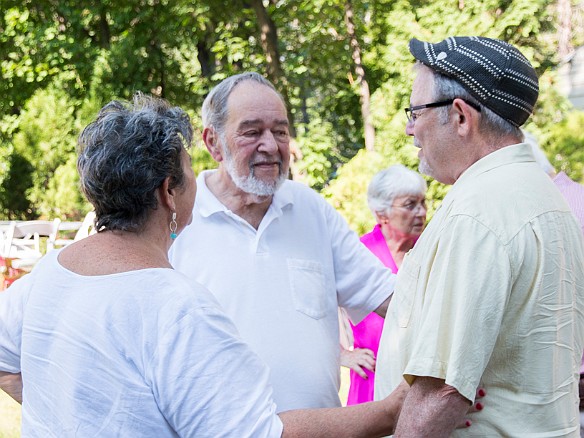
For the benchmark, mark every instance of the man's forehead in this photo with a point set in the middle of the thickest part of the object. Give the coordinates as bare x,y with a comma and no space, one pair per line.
261,121
252,104
250,91
423,84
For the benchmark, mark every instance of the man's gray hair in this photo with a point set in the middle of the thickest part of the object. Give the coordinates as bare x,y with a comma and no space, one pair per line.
490,123
214,112
126,153
391,183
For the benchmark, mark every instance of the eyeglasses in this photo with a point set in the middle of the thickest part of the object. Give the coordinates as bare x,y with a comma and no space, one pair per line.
412,206
412,116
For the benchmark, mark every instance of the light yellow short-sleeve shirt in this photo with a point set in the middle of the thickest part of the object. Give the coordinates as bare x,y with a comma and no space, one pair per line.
492,294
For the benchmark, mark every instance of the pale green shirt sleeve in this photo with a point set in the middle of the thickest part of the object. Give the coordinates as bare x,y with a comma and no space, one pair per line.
465,295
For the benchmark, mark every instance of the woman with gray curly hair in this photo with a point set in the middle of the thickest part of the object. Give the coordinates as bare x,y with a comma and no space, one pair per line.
397,198
104,338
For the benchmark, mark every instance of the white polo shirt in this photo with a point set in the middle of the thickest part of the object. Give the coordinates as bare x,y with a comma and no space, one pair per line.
282,283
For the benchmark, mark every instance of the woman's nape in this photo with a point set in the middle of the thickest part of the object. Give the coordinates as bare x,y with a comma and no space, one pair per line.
135,170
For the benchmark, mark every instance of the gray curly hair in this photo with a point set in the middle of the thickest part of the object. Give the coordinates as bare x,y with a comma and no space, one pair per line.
126,153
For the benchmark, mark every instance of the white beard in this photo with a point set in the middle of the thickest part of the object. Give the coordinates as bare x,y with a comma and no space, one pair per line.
250,184
425,168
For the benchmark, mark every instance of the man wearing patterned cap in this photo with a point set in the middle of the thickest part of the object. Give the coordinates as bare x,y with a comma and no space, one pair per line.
492,295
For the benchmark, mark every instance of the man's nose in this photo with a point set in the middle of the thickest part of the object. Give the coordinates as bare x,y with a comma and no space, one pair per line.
410,128
268,142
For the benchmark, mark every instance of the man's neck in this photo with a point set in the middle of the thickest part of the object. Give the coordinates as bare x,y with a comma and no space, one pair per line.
481,147
252,208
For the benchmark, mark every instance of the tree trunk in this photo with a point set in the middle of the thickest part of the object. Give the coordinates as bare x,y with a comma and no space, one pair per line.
206,58
104,29
365,96
269,40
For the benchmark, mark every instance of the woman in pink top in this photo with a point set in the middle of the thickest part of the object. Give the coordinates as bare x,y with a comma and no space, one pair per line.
396,196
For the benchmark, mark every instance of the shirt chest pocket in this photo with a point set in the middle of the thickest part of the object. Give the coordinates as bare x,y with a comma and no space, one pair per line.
407,285
308,287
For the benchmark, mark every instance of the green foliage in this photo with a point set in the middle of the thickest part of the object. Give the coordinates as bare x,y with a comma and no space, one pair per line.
348,192
317,147
319,67
63,197
45,140
16,180
565,145
39,44
558,128
86,112
201,158
60,61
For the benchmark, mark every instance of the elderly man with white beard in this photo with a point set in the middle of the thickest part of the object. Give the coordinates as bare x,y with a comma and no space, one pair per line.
279,259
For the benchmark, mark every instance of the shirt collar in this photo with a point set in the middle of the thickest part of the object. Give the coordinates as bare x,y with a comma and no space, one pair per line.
516,153
207,204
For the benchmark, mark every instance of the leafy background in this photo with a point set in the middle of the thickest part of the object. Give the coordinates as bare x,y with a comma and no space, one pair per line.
342,65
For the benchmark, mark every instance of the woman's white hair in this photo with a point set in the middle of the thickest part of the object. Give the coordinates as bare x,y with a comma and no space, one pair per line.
391,183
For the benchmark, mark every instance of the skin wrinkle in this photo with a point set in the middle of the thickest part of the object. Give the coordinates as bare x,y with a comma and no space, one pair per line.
440,408
255,131
250,183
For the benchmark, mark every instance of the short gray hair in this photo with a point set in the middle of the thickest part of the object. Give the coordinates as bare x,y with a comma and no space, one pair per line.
393,182
126,153
490,123
214,112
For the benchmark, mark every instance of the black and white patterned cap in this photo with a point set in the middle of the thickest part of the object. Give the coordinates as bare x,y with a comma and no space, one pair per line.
493,71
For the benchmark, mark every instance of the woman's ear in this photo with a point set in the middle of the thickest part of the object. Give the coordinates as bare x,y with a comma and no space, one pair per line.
167,194
381,218
212,142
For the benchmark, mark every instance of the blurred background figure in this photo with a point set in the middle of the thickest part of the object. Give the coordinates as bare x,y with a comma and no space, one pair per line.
397,199
574,194
571,190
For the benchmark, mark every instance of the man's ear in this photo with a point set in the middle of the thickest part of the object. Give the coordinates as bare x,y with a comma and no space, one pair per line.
466,117
211,139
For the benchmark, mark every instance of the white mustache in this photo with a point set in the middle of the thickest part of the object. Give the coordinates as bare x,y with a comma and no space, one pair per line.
278,162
